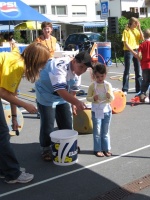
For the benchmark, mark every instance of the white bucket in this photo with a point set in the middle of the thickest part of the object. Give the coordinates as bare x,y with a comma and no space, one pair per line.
64,147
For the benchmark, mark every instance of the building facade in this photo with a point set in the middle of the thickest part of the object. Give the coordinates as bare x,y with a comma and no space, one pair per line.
75,16
118,7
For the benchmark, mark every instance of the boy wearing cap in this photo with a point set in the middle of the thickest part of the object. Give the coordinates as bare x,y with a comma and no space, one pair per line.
55,91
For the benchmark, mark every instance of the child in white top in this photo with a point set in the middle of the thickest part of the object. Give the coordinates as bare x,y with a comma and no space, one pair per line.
100,93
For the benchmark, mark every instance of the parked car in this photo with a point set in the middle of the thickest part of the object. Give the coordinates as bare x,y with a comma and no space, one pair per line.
81,41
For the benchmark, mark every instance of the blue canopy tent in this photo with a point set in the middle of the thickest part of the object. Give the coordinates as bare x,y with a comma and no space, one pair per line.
18,11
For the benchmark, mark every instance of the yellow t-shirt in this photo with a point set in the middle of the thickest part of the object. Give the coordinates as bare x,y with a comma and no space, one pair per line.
132,37
11,70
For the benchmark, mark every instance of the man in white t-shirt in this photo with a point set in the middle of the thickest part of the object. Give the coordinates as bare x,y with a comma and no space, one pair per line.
55,91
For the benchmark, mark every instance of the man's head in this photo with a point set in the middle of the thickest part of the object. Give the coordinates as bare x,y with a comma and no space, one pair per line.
84,58
81,62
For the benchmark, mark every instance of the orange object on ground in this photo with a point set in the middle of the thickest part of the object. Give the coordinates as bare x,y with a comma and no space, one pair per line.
82,121
135,100
119,102
95,59
93,53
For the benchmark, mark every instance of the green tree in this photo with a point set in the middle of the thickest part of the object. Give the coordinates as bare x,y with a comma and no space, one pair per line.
17,36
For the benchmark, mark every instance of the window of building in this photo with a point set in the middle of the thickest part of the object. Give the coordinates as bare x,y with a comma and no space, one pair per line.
79,10
59,10
40,9
98,12
143,11
134,9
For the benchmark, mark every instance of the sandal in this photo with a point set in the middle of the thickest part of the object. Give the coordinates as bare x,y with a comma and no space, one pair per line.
46,155
107,153
99,154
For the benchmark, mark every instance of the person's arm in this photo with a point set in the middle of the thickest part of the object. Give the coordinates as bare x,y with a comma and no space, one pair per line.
109,94
141,33
139,56
140,52
14,47
90,94
71,99
14,117
74,108
14,114
130,49
10,97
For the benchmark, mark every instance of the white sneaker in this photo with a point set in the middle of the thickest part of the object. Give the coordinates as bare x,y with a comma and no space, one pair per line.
146,100
125,93
23,178
21,169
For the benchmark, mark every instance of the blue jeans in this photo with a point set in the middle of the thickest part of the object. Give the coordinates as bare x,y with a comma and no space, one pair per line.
63,115
128,58
9,165
101,134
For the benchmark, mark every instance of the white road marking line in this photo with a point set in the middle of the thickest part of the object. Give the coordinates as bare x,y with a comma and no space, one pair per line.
114,73
131,89
74,171
84,85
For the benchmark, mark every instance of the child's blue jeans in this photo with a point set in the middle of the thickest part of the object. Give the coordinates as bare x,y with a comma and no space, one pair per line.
101,134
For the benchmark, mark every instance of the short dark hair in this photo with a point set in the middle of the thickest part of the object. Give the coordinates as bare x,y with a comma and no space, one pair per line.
44,24
99,68
85,58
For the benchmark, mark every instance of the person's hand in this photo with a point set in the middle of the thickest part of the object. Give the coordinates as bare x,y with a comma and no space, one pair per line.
108,95
138,25
96,98
80,105
31,108
74,110
135,54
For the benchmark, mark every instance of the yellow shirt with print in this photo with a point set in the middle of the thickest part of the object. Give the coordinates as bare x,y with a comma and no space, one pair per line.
11,70
132,37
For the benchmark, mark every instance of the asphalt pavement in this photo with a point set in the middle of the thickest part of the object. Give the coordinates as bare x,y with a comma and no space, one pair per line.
91,177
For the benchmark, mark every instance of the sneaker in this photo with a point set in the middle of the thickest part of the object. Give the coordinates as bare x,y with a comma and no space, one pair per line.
142,98
21,169
125,93
23,178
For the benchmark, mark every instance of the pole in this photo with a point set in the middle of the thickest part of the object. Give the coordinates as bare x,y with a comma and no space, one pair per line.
105,30
60,33
36,33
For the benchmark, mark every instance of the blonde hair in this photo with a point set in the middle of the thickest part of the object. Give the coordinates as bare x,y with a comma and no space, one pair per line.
131,21
146,33
35,57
